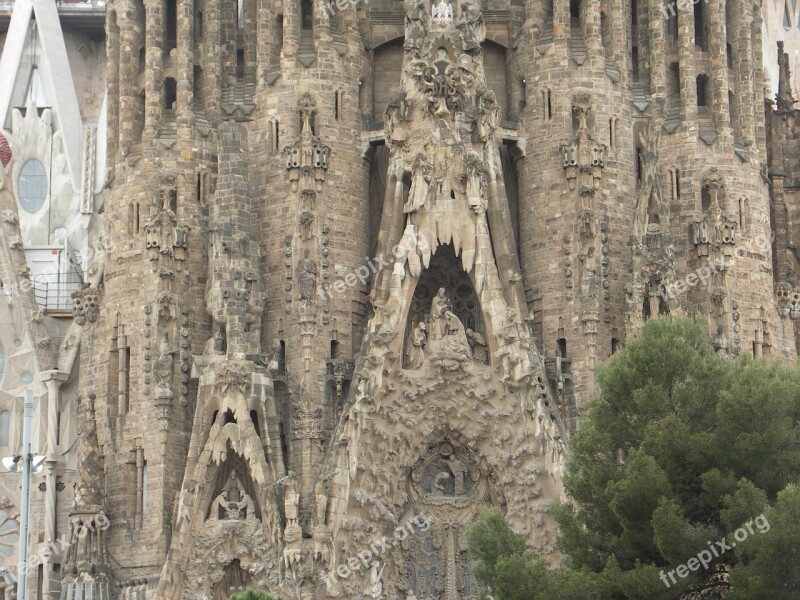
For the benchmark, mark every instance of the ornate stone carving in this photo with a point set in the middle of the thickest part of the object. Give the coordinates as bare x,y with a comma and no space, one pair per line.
446,477
85,304
721,343
445,84
414,24
583,157
162,369
306,273
308,156
447,338
420,190
442,14
225,508
163,235
415,346
472,27
784,98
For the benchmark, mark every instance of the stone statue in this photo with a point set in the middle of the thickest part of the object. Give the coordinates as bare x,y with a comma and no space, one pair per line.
439,483
472,27
415,347
220,502
720,343
459,470
215,343
373,588
306,272
446,330
247,505
291,499
419,192
784,98
322,502
415,30
440,306
489,119
162,370
478,345
476,185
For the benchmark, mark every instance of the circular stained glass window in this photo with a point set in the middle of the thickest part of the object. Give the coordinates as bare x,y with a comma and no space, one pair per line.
32,187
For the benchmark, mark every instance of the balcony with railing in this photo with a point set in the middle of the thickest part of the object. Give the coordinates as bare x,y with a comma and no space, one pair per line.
53,293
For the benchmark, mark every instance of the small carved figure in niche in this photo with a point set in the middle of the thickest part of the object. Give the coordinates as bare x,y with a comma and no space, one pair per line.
439,482
489,119
720,343
472,28
476,184
459,470
420,185
415,348
446,477
478,345
440,306
511,351
322,502
308,198
446,330
291,499
415,30
306,272
784,98
247,505
220,502
162,370
373,588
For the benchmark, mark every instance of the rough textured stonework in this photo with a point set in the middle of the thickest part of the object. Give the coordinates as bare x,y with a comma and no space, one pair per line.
362,262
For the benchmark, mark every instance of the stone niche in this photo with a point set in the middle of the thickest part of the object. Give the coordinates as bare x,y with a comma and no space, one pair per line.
445,272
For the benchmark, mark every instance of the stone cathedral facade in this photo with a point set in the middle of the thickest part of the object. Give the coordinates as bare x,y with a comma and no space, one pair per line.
360,262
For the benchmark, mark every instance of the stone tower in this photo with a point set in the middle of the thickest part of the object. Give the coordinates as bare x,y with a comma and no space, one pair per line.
364,260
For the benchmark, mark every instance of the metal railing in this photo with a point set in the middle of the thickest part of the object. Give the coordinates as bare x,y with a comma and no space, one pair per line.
53,293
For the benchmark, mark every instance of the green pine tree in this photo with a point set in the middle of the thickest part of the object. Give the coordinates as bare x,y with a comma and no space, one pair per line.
680,448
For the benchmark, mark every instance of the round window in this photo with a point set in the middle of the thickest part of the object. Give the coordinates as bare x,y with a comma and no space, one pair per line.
32,186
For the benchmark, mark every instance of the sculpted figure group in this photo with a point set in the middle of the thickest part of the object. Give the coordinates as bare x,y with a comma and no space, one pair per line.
443,334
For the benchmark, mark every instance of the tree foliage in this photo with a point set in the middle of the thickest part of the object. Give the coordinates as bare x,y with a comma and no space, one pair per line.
680,449
251,594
